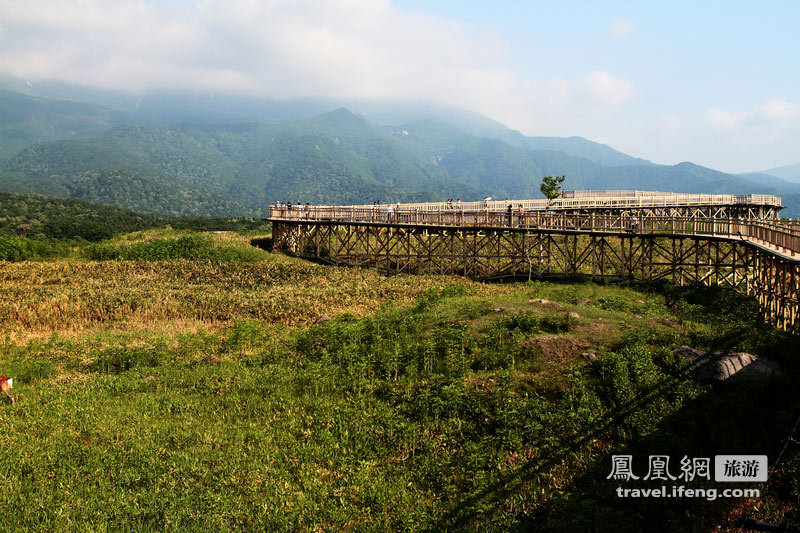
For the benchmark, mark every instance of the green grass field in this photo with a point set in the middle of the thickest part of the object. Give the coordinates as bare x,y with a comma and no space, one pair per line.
175,381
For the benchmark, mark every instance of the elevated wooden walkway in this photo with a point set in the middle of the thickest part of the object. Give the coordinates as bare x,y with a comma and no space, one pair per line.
644,203
728,240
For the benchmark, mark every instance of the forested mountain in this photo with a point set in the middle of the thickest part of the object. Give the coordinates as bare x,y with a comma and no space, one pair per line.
231,169
171,107
237,168
25,120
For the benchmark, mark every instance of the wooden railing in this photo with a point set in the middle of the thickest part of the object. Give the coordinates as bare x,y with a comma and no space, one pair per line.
779,236
584,200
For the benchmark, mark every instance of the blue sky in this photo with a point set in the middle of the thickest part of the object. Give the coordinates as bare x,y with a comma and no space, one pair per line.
715,83
683,58
729,49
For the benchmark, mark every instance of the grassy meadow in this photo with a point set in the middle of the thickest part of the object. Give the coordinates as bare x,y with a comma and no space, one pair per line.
175,381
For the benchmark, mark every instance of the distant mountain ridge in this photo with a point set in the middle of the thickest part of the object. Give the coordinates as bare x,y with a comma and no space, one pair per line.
171,107
231,167
788,172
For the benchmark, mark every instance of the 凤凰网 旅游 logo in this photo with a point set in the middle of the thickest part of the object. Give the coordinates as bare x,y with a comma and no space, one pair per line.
726,468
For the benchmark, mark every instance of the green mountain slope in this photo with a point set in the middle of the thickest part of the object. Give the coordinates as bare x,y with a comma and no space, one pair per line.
169,107
516,171
25,120
336,157
231,169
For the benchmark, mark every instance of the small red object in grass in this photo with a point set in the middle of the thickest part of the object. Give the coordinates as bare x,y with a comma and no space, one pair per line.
5,385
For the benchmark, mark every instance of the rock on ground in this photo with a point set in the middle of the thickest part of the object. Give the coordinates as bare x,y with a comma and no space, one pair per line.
718,367
542,301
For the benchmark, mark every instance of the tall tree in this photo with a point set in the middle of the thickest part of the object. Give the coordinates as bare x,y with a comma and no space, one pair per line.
551,187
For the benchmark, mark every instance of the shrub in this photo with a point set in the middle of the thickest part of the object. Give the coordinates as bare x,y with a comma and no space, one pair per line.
615,303
28,372
525,322
20,249
118,360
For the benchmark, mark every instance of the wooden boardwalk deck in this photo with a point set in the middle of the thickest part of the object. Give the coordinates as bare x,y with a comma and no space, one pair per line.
592,200
698,239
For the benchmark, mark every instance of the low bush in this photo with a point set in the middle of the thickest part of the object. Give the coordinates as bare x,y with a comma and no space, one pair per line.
120,359
14,248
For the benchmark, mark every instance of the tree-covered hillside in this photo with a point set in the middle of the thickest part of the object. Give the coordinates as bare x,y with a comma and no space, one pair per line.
237,169
39,218
162,107
25,120
232,169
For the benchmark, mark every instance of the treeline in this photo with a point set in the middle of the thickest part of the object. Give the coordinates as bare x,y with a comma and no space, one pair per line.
40,219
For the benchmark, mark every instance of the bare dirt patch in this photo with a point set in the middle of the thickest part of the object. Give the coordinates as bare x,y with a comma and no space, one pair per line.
557,348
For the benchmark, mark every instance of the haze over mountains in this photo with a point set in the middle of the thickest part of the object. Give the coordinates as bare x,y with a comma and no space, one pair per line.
788,172
222,155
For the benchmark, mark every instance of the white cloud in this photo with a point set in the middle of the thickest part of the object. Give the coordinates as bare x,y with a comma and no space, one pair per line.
294,48
725,119
609,89
621,28
731,140
280,48
774,114
780,110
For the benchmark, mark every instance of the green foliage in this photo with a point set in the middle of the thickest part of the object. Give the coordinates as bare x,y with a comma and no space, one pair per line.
29,371
551,186
438,414
44,218
15,249
614,303
433,296
117,360
20,249
718,319
243,335
528,322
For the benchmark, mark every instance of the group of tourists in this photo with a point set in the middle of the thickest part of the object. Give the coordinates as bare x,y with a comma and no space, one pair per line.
296,210
510,211
378,213
390,213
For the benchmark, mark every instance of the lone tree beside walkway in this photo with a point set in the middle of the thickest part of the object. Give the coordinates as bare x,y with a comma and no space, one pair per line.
551,187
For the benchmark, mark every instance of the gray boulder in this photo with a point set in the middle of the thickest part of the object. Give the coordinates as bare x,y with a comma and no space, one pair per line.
717,367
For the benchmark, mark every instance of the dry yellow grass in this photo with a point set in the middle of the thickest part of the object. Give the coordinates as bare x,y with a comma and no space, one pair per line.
68,297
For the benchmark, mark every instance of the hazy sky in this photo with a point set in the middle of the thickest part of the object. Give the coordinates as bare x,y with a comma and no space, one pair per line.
717,83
